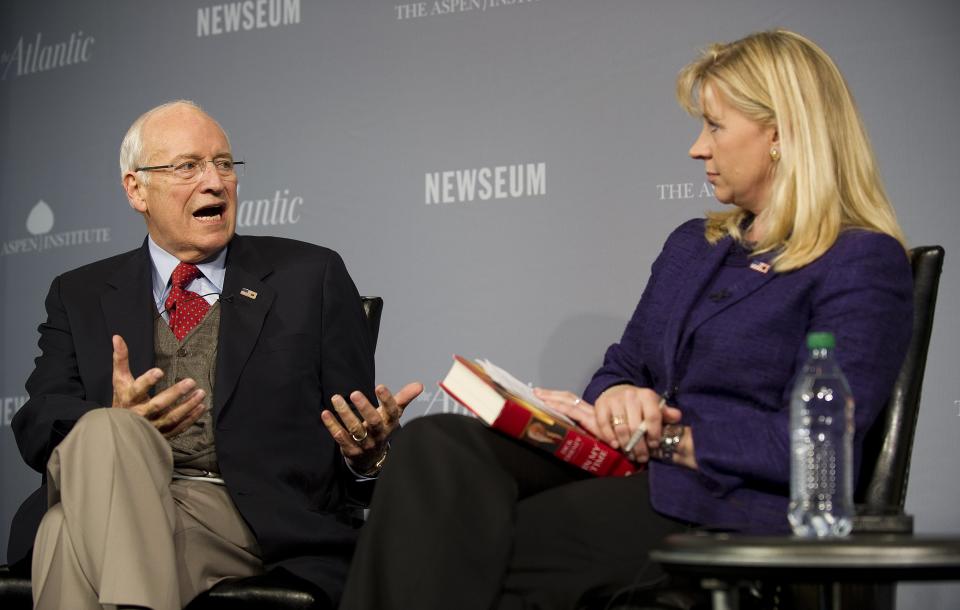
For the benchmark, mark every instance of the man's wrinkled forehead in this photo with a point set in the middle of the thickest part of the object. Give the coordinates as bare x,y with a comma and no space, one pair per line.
183,130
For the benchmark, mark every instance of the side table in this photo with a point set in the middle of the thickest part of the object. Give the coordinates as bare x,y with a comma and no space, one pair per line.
722,561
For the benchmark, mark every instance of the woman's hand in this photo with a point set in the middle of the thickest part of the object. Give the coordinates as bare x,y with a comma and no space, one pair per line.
621,409
619,412
572,406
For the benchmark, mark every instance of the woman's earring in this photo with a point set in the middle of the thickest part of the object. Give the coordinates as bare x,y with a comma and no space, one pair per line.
774,154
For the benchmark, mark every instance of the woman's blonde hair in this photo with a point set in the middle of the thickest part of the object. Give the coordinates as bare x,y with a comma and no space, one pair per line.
826,179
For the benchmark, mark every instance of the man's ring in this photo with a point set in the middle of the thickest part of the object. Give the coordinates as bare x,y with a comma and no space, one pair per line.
577,401
357,437
616,420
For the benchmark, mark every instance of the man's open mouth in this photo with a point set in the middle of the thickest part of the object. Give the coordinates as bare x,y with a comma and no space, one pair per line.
210,212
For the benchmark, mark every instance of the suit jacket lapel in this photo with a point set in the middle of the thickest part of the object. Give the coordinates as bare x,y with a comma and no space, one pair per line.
129,309
754,279
698,272
241,317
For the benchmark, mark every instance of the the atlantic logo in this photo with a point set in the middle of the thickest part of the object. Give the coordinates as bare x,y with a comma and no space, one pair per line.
246,15
9,407
31,57
417,10
485,183
40,223
684,190
280,210
440,402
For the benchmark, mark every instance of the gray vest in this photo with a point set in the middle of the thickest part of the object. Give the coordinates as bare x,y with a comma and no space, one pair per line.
195,357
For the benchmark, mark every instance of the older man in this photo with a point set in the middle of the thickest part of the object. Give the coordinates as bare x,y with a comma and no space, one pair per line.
216,353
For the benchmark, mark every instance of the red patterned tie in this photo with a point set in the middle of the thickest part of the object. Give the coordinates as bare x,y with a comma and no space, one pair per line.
187,308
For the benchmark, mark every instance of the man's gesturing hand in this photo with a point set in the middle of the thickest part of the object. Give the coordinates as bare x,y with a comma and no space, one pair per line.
171,411
364,443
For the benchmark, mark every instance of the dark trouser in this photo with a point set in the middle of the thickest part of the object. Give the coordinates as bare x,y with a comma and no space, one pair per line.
464,517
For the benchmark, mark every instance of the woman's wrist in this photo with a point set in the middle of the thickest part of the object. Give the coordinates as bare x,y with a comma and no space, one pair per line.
676,446
670,439
684,454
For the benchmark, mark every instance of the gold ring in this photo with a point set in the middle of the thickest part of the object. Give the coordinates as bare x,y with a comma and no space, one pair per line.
358,438
663,403
616,420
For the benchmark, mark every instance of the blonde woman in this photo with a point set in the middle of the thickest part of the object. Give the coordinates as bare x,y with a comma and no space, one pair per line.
466,518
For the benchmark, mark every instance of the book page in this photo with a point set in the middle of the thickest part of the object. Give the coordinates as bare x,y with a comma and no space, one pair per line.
513,385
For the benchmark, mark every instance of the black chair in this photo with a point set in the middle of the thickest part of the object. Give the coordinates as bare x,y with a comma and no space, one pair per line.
882,487
277,589
14,591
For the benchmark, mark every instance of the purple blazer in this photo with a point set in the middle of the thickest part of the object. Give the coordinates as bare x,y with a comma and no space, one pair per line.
729,363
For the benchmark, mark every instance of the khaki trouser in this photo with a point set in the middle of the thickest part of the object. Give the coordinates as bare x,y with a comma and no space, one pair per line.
119,531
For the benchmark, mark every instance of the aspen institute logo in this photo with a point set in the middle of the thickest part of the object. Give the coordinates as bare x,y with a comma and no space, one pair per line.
419,10
40,223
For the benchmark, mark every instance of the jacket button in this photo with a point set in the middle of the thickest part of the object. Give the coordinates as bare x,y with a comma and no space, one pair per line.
182,352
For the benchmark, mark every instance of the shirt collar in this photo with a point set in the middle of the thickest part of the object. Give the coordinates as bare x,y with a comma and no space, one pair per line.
164,263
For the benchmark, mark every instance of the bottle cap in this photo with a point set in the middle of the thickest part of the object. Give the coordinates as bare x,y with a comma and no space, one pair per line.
820,341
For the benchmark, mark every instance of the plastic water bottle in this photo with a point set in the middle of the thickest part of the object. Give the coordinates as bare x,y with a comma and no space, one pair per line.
821,437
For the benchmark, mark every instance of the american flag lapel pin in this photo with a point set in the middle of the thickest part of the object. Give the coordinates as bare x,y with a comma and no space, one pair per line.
760,266
250,294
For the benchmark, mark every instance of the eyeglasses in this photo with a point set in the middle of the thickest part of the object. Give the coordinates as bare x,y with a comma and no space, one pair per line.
192,169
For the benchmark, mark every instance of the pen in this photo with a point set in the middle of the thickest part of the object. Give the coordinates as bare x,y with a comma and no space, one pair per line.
637,435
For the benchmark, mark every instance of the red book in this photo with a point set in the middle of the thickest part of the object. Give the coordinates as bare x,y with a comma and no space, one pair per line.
507,405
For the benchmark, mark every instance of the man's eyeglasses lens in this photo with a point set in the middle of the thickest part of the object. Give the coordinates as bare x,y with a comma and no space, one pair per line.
191,169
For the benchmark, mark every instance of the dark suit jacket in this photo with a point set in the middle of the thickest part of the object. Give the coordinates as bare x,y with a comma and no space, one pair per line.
281,357
729,364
